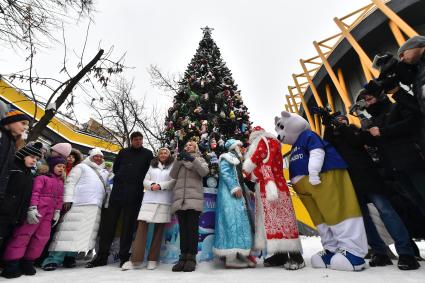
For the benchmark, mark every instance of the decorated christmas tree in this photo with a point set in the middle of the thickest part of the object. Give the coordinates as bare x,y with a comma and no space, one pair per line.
208,107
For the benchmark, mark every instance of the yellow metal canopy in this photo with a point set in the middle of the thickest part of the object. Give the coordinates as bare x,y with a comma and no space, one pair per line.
21,102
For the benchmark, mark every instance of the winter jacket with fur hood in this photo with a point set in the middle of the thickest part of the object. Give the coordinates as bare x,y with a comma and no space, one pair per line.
188,191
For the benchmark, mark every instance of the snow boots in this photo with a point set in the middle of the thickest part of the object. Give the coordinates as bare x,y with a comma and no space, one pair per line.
289,260
295,261
27,267
69,262
278,259
380,260
11,270
50,267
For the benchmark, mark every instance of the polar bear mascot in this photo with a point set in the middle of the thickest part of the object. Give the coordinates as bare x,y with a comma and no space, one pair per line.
319,176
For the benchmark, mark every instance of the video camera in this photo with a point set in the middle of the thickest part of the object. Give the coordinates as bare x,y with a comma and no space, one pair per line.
356,110
392,72
328,119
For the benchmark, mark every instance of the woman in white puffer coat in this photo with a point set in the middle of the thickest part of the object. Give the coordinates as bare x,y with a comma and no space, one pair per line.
85,191
156,208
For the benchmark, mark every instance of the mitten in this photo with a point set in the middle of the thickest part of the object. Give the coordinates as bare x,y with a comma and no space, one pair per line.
56,217
189,157
33,215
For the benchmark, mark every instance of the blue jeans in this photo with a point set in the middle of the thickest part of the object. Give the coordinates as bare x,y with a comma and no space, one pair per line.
392,222
57,257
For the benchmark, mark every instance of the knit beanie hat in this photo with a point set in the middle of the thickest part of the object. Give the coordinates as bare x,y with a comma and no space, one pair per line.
414,42
34,150
14,116
63,149
53,161
95,151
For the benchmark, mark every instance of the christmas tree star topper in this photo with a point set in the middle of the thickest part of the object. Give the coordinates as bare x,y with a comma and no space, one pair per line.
207,30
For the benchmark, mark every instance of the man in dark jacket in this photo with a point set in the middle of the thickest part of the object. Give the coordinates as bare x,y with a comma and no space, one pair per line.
11,128
370,188
13,209
130,168
396,131
412,52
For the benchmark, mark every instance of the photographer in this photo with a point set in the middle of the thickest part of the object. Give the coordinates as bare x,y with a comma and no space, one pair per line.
396,133
412,53
370,188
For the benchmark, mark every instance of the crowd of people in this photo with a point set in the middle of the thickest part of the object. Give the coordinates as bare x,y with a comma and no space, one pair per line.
55,204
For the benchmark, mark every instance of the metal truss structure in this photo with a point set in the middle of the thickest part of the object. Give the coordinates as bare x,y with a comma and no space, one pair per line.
295,101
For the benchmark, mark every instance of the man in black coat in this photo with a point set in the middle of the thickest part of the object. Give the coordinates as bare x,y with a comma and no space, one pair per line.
396,131
370,187
130,168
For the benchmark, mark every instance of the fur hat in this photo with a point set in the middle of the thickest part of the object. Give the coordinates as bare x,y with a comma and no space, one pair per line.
14,116
64,149
95,151
256,132
34,150
414,42
232,144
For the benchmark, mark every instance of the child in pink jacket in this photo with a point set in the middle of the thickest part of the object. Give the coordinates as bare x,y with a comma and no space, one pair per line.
28,240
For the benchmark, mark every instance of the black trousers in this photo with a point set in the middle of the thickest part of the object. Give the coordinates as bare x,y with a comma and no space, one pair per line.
108,224
6,231
189,230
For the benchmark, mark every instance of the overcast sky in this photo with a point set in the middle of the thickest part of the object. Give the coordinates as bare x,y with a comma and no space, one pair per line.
260,40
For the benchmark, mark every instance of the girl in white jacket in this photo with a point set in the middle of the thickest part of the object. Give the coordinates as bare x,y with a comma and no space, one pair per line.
85,190
156,208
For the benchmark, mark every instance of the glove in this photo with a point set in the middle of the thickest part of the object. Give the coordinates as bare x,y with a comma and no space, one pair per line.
56,217
33,215
66,206
314,179
189,157
181,155
185,156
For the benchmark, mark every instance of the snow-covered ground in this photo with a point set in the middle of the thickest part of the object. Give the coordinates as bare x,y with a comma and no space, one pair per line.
210,272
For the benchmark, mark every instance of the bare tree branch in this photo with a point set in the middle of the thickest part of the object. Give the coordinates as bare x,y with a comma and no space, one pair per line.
120,114
69,86
166,82
44,16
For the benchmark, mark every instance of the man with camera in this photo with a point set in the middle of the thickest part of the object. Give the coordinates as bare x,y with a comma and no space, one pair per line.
412,53
396,132
370,188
